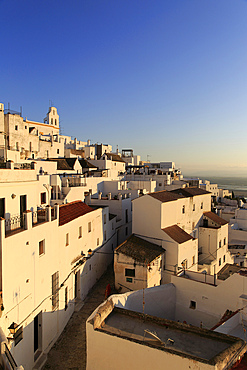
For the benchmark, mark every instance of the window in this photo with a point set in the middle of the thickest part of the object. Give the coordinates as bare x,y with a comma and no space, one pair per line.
224,258
43,198
193,305
57,151
25,127
80,232
126,231
129,280
242,263
97,241
52,121
105,235
194,207
16,128
55,291
126,216
193,225
42,247
67,239
89,227
55,122
130,272
17,146
53,112
219,261
193,260
30,146
201,205
66,298
224,241
183,209
104,219
220,244
18,336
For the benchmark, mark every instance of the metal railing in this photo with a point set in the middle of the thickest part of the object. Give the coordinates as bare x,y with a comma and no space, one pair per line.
9,357
14,223
39,216
22,166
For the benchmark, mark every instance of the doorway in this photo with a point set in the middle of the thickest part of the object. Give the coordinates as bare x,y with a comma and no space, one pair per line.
37,335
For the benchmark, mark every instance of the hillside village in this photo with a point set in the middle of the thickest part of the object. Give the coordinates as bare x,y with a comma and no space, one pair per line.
70,208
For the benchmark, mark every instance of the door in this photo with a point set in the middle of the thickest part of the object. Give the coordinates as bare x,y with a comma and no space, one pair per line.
2,207
37,333
23,208
77,284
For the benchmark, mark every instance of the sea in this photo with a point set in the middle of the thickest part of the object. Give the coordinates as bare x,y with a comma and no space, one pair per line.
236,184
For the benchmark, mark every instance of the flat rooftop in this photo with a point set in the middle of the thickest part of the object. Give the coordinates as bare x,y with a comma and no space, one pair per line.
180,339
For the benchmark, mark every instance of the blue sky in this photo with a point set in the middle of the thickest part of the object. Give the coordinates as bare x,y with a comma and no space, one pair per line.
167,78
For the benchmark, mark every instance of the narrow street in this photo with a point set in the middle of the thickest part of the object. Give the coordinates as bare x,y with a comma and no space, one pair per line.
69,352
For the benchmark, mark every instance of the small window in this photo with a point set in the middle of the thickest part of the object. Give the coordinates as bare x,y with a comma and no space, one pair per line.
219,261
97,241
126,216
16,128
104,219
43,198
193,225
57,151
25,127
42,247
194,207
201,205
53,112
52,121
220,244
66,298
17,146
67,239
130,272
18,336
105,235
193,260
55,122
242,263
129,280
224,241
224,258
183,209
80,232
126,231
55,291
89,227
193,305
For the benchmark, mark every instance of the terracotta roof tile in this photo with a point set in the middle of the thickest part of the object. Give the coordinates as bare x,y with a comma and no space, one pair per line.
165,196
190,191
177,234
139,249
215,218
73,210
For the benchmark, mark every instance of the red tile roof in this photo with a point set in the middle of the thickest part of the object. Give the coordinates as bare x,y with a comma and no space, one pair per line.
215,218
177,234
73,210
191,191
165,196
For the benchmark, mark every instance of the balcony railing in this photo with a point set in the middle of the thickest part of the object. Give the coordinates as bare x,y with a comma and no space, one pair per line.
22,166
14,224
39,216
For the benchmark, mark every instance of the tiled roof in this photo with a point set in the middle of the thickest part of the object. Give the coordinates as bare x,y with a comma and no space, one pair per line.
190,191
85,164
73,210
215,218
114,157
140,250
165,196
64,163
177,234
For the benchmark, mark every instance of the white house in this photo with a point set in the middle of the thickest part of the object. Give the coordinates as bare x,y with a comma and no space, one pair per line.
137,264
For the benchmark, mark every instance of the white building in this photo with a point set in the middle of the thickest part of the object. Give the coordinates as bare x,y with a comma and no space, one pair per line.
137,264
118,332
50,259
